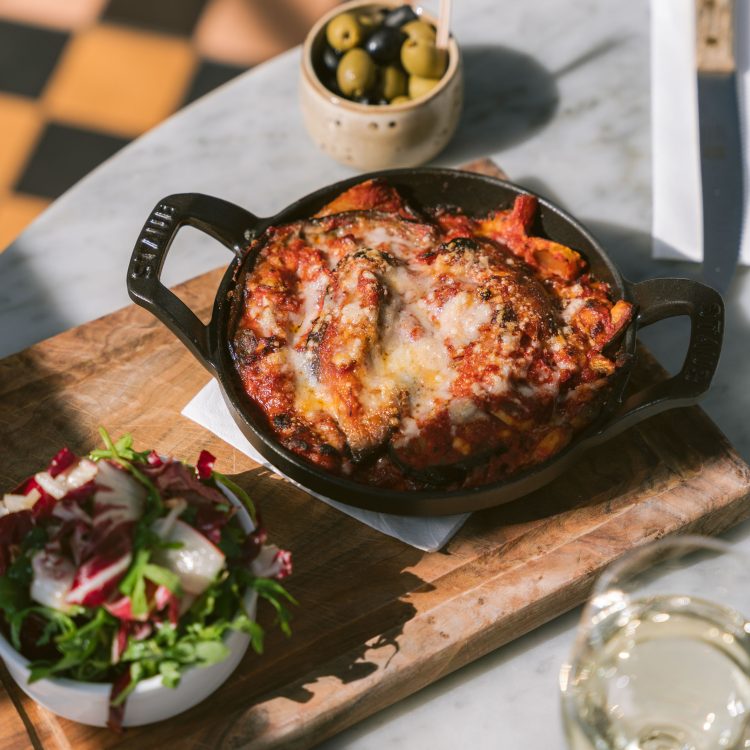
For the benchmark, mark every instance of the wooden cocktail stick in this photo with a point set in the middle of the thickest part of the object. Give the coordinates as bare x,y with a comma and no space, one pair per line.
443,25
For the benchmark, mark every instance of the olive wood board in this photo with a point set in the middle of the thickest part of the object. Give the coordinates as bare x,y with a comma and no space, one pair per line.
377,620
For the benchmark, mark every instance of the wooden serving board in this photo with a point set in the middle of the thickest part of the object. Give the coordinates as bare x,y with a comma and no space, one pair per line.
378,619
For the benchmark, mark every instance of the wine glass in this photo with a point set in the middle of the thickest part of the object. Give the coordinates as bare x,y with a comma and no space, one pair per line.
662,655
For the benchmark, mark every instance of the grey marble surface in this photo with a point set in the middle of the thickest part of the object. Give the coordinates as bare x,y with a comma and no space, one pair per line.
557,91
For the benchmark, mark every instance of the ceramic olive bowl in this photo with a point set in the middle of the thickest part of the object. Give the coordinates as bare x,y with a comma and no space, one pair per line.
370,136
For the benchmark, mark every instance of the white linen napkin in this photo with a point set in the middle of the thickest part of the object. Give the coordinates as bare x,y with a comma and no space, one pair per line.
429,534
677,219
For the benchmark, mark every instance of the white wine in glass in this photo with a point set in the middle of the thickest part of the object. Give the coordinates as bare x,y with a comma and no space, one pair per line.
662,657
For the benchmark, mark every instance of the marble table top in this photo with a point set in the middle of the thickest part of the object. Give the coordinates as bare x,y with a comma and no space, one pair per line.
557,92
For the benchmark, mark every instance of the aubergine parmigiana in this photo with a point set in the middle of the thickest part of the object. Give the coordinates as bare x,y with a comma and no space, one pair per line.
410,348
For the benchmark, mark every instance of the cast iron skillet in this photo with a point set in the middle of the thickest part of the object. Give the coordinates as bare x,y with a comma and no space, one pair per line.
234,227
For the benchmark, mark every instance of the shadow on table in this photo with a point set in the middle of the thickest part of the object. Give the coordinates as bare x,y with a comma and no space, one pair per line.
36,421
508,96
27,313
359,578
482,676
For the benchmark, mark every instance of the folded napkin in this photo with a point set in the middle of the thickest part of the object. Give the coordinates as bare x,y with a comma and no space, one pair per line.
430,534
678,216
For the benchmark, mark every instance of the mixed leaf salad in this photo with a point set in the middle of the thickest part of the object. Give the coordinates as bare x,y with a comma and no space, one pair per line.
124,565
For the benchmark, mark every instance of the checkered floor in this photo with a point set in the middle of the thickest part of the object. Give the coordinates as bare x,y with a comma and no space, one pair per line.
79,79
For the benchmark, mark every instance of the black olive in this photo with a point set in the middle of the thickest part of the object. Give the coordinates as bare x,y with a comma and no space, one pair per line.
366,99
384,45
399,16
330,58
329,81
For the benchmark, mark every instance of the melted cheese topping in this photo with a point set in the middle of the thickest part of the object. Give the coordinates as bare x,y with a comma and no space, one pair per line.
460,319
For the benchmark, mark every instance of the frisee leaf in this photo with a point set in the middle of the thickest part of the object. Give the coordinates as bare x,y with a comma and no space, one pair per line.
79,646
242,496
170,672
127,584
14,596
138,672
107,440
275,594
122,453
256,634
210,652
120,450
162,577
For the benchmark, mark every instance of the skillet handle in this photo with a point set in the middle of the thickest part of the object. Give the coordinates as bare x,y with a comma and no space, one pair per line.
233,226
657,299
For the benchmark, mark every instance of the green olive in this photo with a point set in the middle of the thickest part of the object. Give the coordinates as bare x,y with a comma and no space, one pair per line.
400,100
422,58
419,86
392,82
419,30
356,73
344,32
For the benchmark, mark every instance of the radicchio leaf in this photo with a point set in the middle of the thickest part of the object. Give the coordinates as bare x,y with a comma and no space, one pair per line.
82,493
164,599
62,460
283,559
118,501
80,542
117,712
173,479
53,577
210,521
162,595
119,643
97,578
159,598
138,631
27,486
154,459
67,510
253,544
43,506
122,608
205,465
272,562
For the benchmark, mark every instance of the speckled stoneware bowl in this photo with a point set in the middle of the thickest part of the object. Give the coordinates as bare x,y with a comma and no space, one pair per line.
379,136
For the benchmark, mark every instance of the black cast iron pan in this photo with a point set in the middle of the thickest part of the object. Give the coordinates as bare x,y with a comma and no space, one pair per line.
234,227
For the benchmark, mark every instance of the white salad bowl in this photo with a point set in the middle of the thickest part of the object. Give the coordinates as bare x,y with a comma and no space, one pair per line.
88,702
150,701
